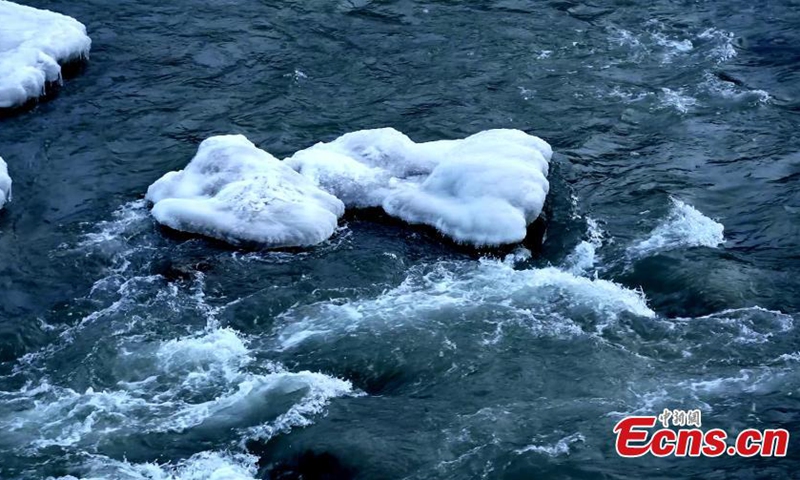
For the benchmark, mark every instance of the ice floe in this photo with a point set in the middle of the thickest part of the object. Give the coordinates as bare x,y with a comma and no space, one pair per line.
482,190
235,192
5,184
33,46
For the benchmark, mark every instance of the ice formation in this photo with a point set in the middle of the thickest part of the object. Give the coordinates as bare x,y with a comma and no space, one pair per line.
33,44
482,190
5,184
235,192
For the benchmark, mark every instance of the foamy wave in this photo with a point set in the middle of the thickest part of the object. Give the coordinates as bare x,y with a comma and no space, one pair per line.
125,219
584,257
112,239
677,100
658,41
541,298
221,353
559,448
684,227
737,350
735,91
201,466
722,44
628,96
654,43
196,384
749,325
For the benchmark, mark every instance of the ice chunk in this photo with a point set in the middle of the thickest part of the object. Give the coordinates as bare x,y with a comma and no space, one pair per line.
5,184
483,190
235,192
33,44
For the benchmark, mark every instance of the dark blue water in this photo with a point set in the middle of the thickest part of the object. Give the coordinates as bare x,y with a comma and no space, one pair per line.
128,351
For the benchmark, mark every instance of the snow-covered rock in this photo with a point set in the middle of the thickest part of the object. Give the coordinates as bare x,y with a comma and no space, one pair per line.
33,44
482,190
235,192
5,184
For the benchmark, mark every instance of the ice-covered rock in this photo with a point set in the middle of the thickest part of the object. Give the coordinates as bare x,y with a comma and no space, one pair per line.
5,184
33,44
235,192
482,190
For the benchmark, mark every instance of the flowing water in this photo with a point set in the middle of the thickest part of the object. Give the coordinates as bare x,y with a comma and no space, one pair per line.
668,277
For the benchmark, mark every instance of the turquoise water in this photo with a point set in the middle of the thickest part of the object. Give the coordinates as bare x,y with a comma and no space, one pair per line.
130,351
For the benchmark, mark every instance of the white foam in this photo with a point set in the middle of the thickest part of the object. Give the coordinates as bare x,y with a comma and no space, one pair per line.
628,96
542,299
220,353
729,90
749,325
319,390
5,184
559,448
235,192
677,99
684,227
793,357
624,37
672,46
251,399
201,466
124,219
32,45
584,256
737,348
196,384
652,43
722,42
482,190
